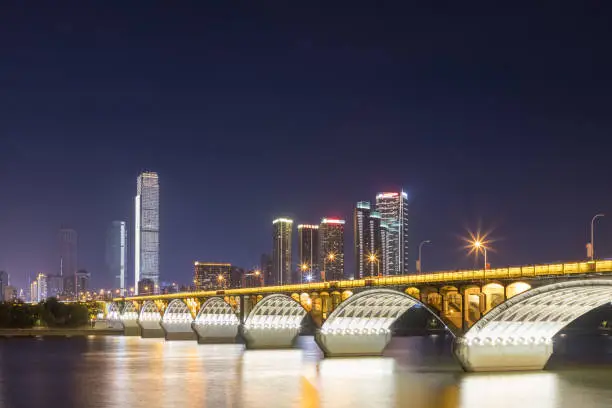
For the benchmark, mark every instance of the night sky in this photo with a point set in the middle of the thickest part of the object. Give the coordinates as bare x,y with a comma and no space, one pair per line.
498,118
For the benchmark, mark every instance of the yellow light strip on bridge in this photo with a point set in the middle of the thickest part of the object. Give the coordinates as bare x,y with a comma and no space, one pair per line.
518,272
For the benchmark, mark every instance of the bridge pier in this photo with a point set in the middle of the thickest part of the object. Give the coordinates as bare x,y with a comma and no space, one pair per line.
151,329
498,355
259,337
178,330
131,328
350,343
215,333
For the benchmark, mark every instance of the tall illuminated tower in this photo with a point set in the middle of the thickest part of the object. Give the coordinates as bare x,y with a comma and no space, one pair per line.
116,253
331,248
308,243
393,208
146,240
368,241
281,252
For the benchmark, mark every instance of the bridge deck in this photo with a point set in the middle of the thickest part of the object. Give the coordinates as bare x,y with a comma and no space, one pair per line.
514,273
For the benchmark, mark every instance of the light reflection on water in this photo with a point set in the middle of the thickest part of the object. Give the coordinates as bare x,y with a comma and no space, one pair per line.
134,372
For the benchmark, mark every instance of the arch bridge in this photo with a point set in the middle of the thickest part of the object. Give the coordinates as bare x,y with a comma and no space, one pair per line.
502,319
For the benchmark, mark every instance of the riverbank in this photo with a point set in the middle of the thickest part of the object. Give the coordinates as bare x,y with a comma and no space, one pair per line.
59,332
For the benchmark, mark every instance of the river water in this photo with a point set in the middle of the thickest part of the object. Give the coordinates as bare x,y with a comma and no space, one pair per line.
415,372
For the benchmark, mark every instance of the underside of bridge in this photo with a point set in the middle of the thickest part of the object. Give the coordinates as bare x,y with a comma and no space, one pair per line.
216,322
274,322
177,320
361,325
517,334
149,321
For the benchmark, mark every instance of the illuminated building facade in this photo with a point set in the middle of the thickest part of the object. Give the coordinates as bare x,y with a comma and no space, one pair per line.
146,239
281,252
38,288
331,248
368,241
393,208
116,253
308,245
211,275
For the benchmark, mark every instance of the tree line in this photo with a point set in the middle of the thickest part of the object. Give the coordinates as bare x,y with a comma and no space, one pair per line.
50,313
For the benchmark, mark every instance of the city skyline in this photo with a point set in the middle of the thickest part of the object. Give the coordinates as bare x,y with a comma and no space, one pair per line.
480,123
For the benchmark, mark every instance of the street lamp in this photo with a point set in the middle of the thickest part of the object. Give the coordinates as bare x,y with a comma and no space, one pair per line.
373,258
593,235
480,246
420,247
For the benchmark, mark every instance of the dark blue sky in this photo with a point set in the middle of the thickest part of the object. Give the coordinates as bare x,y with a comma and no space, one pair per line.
492,116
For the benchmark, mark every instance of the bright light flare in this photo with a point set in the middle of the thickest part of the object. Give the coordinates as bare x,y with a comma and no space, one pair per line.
477,243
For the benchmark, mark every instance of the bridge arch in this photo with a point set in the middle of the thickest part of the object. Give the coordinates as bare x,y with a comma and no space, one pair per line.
149,312
361,325
130,311
517,334
275,321
216,322
177,312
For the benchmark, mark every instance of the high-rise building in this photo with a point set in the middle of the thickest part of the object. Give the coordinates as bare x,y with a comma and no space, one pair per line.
369,257
281,252
55,286
236,277
82,281
9,293
68,246
331,248
116,253
393,208
211,275
146,239
38,288
265,266
308,243
4,282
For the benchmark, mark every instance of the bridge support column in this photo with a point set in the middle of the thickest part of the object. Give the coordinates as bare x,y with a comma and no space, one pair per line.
216,334
151,329
496,355
178,331
270,337
347,344
131,328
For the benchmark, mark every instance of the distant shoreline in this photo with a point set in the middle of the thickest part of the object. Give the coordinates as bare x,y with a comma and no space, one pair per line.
59,332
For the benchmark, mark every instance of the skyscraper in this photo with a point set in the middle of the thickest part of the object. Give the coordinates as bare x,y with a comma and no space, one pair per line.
281,252
265,266
116,253
393,208
4,282
68,248
146,240
211,275
368,241
308,243
331,248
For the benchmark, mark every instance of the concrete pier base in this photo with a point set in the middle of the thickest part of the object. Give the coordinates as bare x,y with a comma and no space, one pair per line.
270,338
523,355
131,328
151,330
352,345
216,334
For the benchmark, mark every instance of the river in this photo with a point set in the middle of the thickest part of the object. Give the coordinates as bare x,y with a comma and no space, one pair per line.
415,372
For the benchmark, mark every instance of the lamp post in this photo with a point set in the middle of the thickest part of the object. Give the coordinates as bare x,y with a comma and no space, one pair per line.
373,258
480,246
420,248
593,235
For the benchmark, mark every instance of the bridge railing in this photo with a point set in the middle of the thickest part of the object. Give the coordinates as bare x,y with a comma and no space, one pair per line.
515,272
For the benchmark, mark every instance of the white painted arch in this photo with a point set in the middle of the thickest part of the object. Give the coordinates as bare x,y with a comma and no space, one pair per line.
130,311
215,311
276,311
518,334
149,312
177,312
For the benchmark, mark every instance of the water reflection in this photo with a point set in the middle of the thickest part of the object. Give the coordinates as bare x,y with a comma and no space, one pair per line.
524,390
132,372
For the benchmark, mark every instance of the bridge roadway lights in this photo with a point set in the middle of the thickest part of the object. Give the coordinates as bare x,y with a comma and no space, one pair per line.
178,330
151,329
131,328
502,355
216,333
352,343
270,337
